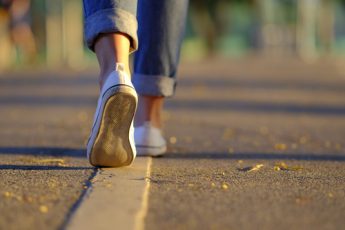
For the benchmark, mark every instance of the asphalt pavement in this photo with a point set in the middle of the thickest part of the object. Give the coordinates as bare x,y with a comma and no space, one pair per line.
255,143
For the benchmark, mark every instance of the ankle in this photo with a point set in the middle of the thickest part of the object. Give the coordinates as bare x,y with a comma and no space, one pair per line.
105,72
111,49
149,110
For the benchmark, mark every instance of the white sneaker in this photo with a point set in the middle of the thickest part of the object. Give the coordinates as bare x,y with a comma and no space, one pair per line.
149,140
111,142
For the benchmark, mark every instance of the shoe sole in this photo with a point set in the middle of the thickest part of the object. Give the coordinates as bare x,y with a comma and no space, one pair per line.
111,145
151,151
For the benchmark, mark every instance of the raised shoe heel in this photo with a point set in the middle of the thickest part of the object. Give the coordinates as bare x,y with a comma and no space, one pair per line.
111,145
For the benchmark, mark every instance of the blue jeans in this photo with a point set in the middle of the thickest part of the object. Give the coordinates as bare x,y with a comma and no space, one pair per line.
159,29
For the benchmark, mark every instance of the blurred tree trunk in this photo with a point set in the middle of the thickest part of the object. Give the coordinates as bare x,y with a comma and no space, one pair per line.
267,11
64,33
326,24
203,23
53,33
268,28
72,30
6,47
306,28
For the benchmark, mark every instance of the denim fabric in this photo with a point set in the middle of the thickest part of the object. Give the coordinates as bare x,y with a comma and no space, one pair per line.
109,16
161,25
161,29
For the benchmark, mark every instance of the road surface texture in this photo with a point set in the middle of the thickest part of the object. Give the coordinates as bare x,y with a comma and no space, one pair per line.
253,144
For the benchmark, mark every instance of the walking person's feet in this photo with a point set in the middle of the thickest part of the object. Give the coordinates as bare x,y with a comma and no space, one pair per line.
111,142
149,140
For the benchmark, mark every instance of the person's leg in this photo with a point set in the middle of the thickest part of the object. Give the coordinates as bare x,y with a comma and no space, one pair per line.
161,30
110,31
111,49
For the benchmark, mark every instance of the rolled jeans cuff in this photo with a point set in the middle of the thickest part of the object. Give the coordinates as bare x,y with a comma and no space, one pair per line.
111,21
154,85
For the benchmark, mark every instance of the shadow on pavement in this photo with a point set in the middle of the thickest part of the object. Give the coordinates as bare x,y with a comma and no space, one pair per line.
219,105
43,151
229,82
49,100
52,80
257,156
251,106
42,167
248,84
63,152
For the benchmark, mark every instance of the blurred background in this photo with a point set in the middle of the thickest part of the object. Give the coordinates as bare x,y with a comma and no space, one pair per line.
49,33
